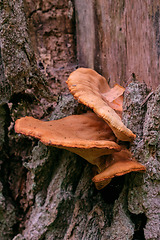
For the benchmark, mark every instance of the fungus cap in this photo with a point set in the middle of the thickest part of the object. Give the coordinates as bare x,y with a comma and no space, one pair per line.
122,163
91,89
86,135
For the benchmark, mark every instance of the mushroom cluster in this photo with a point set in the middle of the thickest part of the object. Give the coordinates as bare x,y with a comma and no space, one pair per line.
93,135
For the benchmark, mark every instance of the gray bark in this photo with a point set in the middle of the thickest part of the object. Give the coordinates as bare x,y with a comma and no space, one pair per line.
47,193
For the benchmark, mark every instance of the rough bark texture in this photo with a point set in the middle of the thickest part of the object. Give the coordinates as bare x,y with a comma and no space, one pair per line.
144,120
52,32
47,193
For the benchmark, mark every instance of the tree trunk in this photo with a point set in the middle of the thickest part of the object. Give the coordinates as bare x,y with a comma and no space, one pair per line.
47,193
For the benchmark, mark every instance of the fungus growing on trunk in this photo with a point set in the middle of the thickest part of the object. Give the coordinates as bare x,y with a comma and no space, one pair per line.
91,136
120,163
91,89
86,135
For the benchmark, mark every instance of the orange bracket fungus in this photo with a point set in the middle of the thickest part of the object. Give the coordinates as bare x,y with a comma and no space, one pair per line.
91,89
120,163
93,136
86,135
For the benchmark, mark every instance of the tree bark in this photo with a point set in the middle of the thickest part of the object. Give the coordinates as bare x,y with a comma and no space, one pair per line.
121,38
47,193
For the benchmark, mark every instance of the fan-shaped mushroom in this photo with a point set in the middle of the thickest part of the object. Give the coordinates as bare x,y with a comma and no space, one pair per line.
91,89
86,135
121,163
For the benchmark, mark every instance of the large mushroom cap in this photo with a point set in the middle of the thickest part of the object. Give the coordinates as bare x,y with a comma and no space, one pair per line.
91,89
122,163
86,135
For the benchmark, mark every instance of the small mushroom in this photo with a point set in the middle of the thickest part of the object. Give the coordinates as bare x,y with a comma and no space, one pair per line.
91,89
121,163
114,98
86,135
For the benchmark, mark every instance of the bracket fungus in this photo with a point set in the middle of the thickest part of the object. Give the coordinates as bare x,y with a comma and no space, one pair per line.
86,135
92,135
91,89
120,163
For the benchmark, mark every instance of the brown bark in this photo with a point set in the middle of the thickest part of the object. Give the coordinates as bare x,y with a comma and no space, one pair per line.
121,38
46,193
